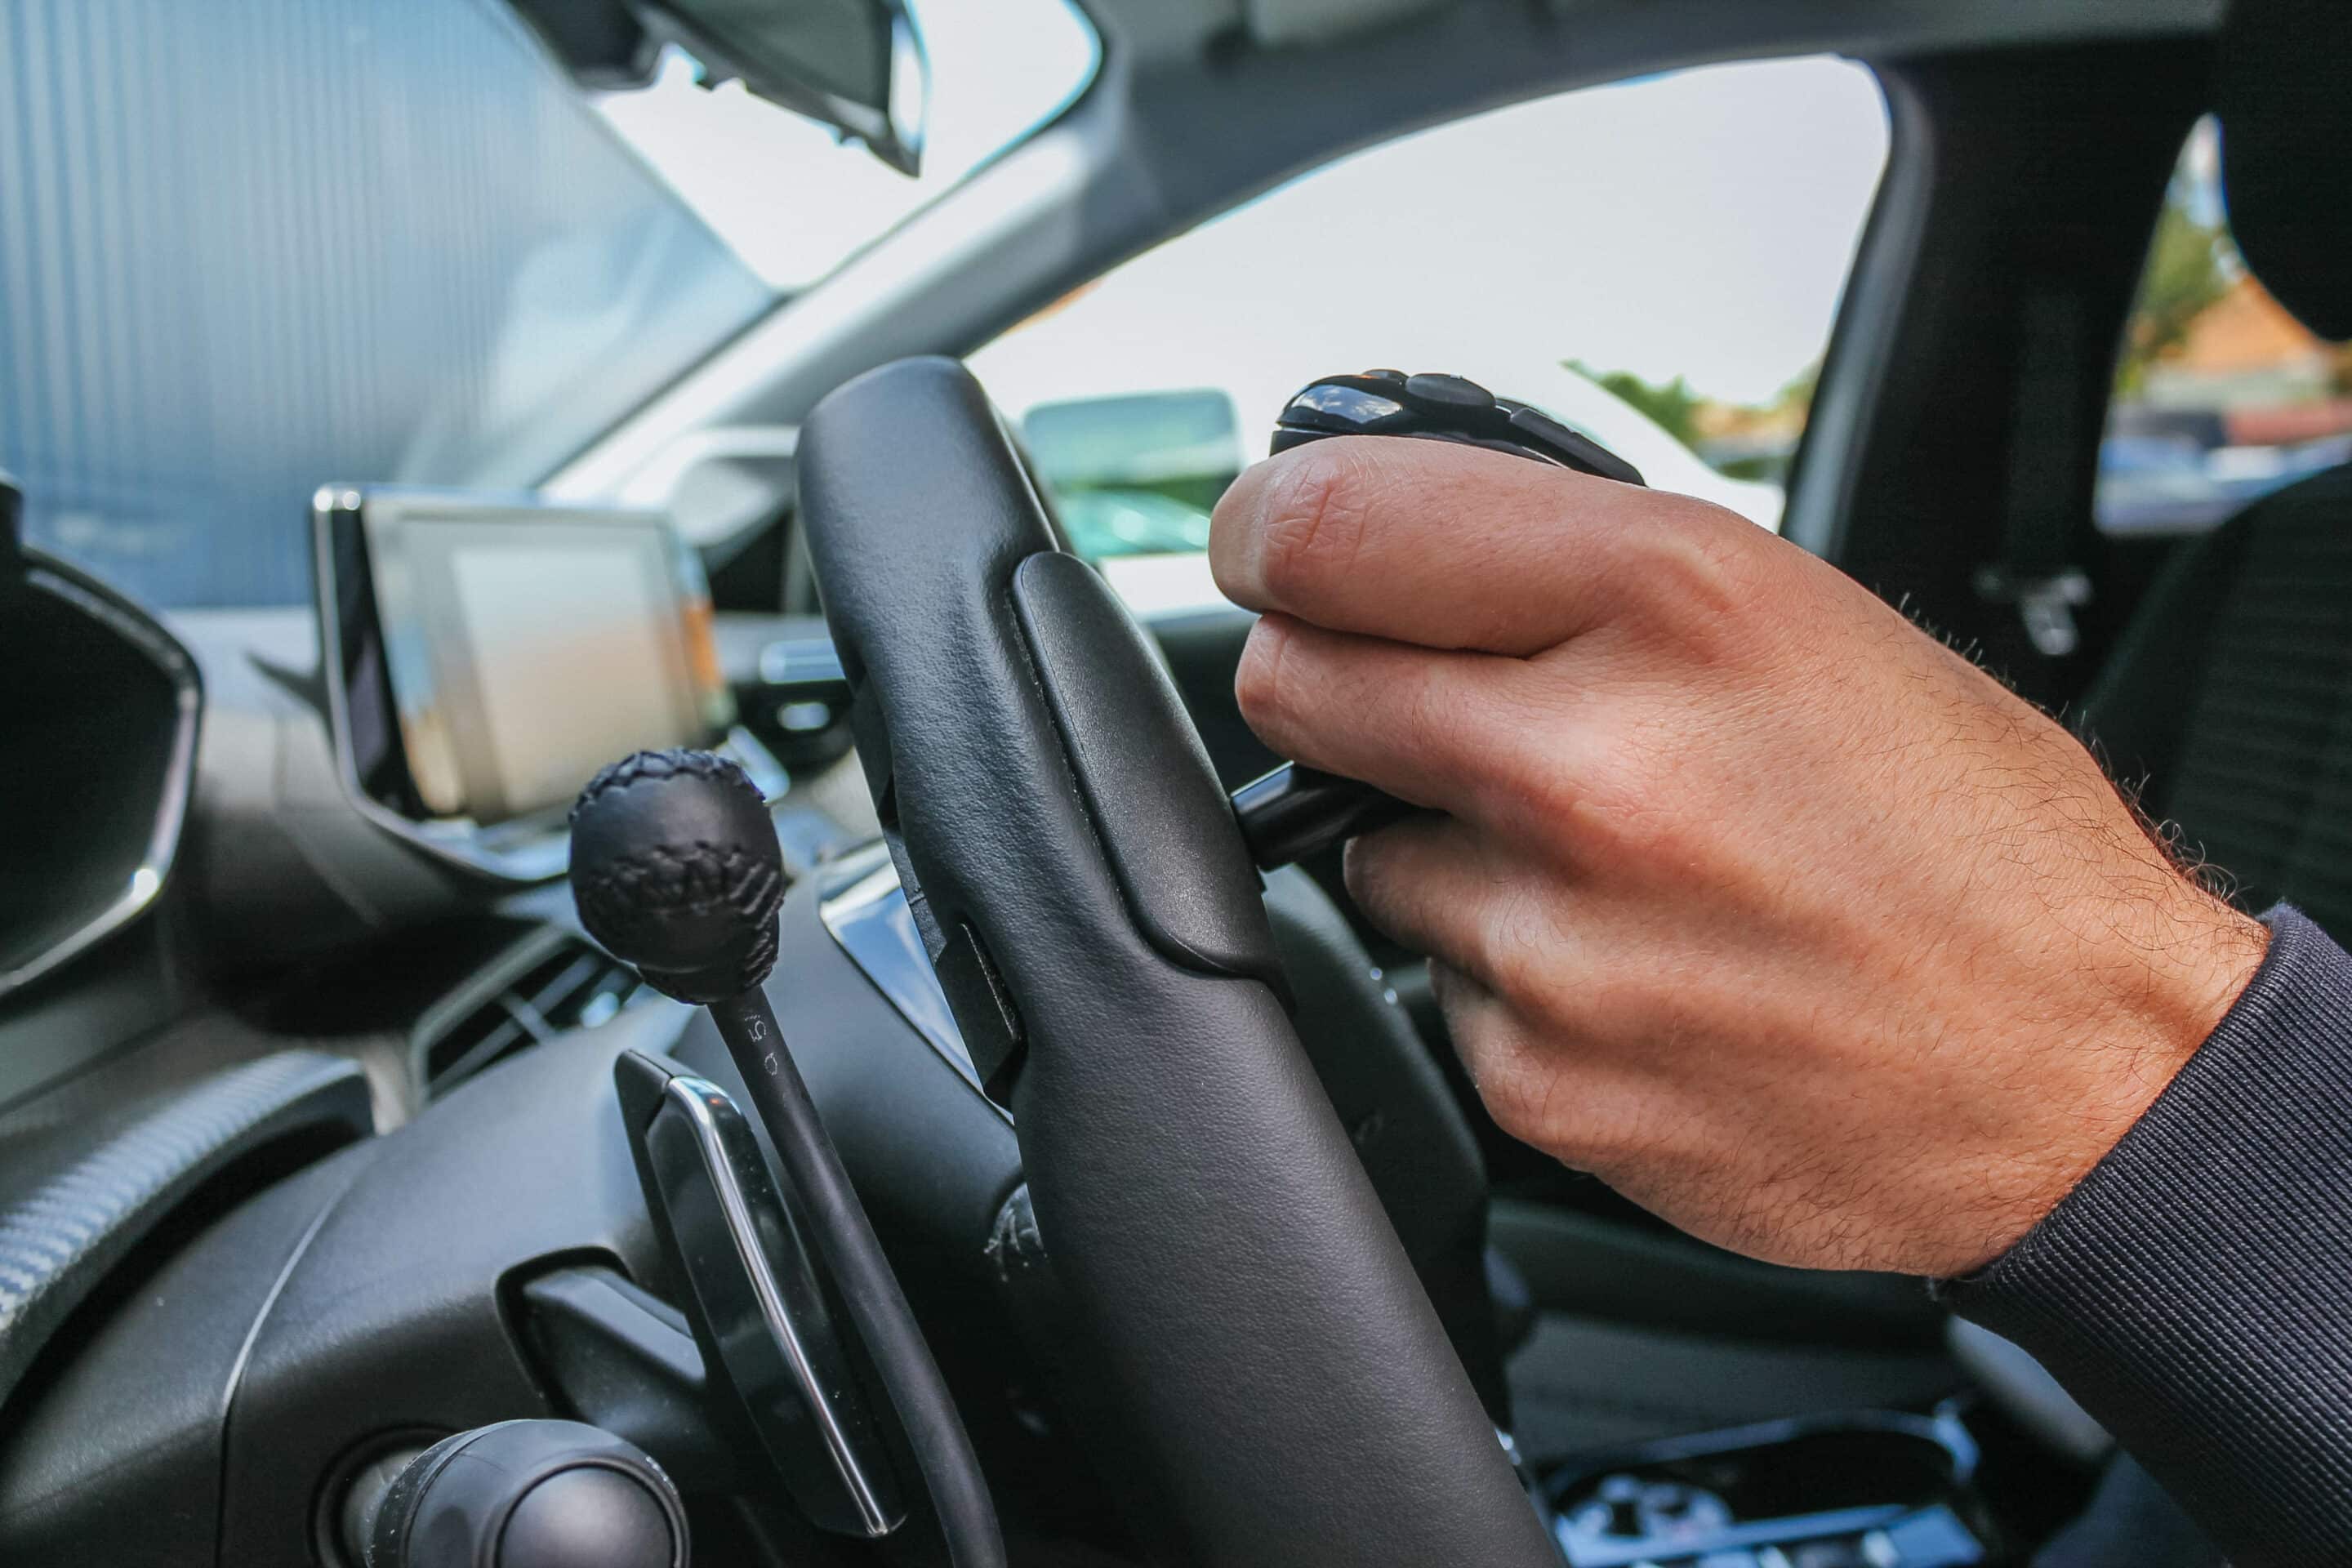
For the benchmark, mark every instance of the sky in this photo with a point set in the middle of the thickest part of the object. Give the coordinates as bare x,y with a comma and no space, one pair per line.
1698,224
794,202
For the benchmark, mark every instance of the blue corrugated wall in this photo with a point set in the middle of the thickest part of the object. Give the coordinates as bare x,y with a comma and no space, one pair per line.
250,246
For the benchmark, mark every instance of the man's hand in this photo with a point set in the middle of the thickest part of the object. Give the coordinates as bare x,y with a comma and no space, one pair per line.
1745,896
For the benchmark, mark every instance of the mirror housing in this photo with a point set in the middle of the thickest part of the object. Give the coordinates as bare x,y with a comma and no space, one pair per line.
857,66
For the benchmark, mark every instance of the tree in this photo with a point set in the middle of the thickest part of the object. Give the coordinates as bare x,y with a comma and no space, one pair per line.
2185,274
1672,405
1798,393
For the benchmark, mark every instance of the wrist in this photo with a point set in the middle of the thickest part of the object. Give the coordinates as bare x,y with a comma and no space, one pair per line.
2168,975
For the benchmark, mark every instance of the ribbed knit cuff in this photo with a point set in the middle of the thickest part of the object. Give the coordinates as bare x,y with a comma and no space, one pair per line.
2194,1292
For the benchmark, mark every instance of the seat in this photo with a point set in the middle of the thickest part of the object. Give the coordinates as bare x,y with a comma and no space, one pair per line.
2226,702
2228,697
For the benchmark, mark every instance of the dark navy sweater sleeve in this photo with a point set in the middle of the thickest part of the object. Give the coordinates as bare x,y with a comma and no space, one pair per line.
2195,1292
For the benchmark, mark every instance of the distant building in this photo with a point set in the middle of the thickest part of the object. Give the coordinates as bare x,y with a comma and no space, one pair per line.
2244,351
1750,442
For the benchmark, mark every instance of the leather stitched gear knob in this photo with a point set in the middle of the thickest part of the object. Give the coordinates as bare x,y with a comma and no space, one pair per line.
675,870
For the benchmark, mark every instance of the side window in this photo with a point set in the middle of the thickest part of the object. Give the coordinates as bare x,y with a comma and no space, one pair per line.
1656,263
2221,395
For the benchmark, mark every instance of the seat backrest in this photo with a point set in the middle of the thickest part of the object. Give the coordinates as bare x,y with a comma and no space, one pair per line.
2231,695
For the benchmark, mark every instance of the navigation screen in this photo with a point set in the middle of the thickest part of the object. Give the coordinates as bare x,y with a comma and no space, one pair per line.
529,646
575,655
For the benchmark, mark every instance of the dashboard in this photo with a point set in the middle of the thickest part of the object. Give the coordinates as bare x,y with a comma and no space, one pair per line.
320,972
100,711
345,822
321,896
314,965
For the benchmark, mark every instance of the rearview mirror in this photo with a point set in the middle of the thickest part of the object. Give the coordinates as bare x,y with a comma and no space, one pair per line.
855,65
1137,474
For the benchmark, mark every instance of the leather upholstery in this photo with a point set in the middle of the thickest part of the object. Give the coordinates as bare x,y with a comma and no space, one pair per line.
1401,1116
1284,1376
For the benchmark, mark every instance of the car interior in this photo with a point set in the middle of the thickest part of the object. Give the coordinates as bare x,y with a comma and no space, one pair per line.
1135,1208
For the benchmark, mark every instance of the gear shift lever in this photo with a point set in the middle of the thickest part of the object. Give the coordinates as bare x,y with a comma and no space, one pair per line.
675,870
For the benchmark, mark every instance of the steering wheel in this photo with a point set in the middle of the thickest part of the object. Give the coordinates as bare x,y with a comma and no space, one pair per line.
1272,1360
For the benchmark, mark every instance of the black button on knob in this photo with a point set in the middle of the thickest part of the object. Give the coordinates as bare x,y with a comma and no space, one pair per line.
1563,442
531,1494
675,870
1452,390
1439,408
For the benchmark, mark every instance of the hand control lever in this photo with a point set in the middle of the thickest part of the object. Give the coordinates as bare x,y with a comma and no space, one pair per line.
1296,811
676,868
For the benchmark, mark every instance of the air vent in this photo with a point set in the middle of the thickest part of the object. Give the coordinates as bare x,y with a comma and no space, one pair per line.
536,989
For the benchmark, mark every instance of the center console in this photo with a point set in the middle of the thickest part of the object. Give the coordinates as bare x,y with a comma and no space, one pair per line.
1868,1490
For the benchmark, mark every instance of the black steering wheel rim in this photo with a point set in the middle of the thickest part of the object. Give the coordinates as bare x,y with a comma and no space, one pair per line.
1279,1374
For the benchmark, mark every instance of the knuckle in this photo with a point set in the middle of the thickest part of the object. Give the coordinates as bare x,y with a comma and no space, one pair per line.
1315,520
1614,1134
1518,1093
1533,788
1433,719
1518,948
1261,684
1541,1083
1629,802
1616,790
1368,866
1702,570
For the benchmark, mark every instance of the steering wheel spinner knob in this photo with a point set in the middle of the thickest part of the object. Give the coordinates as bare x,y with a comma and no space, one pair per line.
1436,408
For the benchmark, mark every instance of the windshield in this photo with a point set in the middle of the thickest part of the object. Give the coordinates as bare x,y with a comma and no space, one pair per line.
247,251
